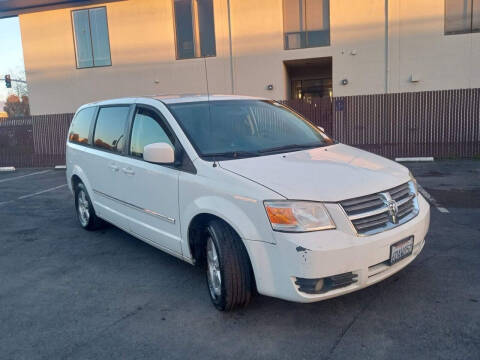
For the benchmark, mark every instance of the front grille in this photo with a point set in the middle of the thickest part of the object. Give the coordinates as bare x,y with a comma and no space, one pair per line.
378,212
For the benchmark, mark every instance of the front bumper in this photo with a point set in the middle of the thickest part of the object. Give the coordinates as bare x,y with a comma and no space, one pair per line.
322,254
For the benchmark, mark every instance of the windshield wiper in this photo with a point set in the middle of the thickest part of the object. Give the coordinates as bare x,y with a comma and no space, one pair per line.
290,147
231,154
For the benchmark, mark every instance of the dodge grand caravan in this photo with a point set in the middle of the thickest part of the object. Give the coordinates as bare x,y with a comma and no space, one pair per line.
250,190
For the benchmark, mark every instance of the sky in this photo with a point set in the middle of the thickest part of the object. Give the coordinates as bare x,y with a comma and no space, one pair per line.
11,53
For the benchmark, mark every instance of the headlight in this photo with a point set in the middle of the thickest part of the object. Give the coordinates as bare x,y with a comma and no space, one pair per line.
298,216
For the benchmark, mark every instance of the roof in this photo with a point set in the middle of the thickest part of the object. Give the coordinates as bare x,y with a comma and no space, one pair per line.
172,99
15,7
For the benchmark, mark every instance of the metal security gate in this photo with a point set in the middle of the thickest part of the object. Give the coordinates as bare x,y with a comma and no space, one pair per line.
35,141
16,143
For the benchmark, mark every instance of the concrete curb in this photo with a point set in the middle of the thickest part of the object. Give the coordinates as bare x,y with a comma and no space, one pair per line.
7,168
412,159
60,167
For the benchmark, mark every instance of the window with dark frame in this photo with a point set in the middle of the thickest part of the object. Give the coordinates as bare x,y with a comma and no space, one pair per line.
92,43
194,28
462,16
306,23
109,131
147,129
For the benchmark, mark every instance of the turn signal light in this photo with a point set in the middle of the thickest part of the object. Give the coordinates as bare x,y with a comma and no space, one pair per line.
283,216
298,216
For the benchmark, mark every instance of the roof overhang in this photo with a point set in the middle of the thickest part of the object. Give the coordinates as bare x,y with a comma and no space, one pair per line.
10,8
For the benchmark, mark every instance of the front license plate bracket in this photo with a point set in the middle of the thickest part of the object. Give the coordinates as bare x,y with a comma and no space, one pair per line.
401,249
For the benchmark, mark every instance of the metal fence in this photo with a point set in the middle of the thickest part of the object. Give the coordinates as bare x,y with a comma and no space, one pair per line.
319,111
35,141
442,124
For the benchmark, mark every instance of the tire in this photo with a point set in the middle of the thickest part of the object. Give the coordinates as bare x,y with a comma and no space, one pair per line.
229,277
85,212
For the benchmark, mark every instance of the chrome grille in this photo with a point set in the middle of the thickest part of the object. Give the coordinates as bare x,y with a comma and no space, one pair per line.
375,213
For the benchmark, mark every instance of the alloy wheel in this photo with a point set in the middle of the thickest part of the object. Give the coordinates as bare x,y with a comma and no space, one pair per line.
214,275
83,208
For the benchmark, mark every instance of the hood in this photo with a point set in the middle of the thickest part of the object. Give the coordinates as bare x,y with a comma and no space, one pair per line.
332,173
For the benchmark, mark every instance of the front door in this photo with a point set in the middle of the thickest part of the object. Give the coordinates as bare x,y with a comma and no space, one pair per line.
150,191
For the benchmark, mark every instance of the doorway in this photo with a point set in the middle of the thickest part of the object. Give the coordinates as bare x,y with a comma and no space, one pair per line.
309,84
309,79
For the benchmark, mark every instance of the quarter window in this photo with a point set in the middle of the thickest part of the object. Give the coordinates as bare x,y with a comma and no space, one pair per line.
462,16
80,127
306,23
147,129
194,28
92,44
110,128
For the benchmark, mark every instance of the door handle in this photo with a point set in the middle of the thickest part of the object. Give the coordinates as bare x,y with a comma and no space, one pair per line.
113,167
128,171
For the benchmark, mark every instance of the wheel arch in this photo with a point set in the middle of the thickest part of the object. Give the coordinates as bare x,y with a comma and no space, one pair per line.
75,180
243,217
195,233
77,175
197,239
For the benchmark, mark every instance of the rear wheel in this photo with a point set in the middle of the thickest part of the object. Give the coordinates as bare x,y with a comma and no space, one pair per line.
85,212
229,277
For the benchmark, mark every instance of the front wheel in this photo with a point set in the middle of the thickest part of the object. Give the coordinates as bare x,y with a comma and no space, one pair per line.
229,277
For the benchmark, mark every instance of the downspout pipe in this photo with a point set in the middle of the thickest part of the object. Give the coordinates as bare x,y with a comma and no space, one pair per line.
231,49
386,47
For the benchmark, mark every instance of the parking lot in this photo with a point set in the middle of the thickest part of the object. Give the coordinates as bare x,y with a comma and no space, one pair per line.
68,293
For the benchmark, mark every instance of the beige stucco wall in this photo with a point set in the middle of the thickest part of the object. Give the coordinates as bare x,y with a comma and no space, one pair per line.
259,52
143,52
418,45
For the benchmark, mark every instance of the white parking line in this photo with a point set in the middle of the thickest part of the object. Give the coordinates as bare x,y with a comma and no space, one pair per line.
431,200
22,176
41,192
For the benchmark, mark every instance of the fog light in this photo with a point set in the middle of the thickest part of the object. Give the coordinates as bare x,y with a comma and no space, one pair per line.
323,285
310,286
319,285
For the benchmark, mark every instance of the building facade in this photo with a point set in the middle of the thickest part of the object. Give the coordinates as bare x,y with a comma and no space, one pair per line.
281,49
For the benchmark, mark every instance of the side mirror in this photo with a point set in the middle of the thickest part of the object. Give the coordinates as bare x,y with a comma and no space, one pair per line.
321,128
159,153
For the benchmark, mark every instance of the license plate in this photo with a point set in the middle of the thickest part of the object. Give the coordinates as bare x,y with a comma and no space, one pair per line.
401,249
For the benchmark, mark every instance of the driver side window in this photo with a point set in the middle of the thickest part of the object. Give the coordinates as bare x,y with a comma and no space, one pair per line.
148,128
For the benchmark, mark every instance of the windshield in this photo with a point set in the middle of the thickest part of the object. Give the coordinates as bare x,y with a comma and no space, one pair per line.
244,128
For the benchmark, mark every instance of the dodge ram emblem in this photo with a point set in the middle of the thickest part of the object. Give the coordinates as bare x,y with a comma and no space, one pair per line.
392,206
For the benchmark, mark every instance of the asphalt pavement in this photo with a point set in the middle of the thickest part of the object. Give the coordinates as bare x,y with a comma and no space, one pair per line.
66,293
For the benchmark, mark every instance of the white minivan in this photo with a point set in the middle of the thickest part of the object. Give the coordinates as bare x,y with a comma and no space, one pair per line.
250,190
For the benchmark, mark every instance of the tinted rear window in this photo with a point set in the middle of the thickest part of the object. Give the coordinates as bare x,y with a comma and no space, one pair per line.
110,128
80,126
